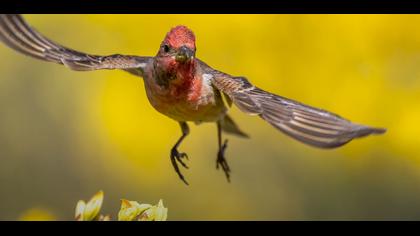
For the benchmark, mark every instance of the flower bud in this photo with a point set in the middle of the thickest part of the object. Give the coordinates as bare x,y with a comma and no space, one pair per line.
131,209
80,208
155,213
93,207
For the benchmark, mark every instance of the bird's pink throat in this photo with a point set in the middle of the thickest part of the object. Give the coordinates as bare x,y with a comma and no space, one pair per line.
186,82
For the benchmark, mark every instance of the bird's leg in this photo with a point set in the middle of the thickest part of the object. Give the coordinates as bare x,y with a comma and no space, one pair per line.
177,156
221,160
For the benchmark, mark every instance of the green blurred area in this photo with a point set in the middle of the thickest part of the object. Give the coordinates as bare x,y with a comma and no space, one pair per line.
64,135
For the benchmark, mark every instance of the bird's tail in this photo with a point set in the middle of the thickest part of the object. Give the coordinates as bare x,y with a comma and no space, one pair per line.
230,127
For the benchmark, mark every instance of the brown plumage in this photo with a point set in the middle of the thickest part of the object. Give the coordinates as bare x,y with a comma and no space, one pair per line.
307,124
186,89
18,35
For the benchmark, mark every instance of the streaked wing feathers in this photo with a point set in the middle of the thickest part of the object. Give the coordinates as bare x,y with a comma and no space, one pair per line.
17,34
235,88
307,124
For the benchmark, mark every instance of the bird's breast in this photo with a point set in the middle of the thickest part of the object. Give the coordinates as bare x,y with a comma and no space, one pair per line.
189,100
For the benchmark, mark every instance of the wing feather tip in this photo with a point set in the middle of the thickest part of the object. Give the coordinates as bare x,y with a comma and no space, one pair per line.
366,130
379,130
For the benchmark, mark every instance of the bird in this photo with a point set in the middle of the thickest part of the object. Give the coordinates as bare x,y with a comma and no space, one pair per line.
186,89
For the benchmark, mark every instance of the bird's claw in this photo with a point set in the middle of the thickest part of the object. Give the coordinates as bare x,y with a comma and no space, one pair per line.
177,157
221,160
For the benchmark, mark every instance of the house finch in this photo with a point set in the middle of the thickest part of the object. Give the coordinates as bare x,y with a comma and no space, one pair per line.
186,89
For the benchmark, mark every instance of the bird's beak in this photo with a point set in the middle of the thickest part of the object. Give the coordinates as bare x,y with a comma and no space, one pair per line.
184,54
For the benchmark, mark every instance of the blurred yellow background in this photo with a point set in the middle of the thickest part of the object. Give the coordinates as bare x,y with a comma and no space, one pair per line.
64,135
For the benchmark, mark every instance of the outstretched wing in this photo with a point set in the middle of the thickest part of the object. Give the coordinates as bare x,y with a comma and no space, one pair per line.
307,124
17,34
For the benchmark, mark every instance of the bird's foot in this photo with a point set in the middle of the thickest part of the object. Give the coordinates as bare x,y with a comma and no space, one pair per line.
177,157
221,160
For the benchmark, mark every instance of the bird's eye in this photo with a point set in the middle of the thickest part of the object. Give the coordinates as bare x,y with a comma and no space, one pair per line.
165,48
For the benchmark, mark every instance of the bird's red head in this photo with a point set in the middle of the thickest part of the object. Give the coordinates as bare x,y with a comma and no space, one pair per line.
175,59
178,45
180,36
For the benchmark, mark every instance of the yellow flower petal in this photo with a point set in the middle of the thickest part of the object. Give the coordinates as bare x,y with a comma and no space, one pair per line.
161,213
142,207
93,206
80,208
155,213
147,215
126,203
131,209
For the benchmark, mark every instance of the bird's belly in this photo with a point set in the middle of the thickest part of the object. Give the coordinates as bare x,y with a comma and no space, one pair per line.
208,109
187,112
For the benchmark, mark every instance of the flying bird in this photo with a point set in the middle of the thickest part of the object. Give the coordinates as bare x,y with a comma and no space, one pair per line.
186,89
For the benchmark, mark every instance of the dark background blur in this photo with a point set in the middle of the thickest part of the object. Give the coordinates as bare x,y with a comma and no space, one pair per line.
64,135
